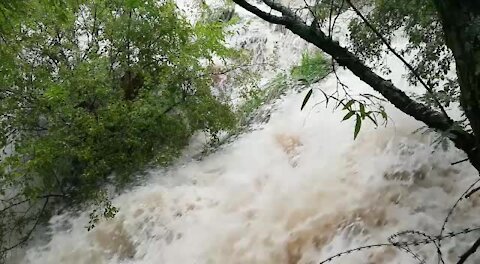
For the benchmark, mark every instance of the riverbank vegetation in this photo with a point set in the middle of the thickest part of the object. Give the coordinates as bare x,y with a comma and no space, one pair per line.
92,93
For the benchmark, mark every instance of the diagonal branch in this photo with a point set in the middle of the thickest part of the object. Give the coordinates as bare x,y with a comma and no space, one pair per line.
410,67
469,252
263,15
25,238
432,118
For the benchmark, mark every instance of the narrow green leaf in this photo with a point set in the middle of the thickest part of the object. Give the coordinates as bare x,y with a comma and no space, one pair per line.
348,115
384,115
358,124
305,100
349,104
362,110
373,119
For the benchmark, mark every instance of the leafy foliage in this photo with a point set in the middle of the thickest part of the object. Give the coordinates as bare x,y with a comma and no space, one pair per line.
255,97
426,50
93,92
361,113
312,68
419,23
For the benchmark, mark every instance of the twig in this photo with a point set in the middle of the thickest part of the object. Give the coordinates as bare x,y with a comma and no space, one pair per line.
410,67
47,196
330,19
237,67
30,232
450,212
460,161
418,233
335,19
469,252
472,192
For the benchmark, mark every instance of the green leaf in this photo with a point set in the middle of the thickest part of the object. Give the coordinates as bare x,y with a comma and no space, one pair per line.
305,100
348,115
327,98
349,104
312,69
372,119
358,125
70,114
362,110
384,115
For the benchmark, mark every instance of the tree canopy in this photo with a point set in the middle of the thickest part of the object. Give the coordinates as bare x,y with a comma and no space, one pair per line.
92,92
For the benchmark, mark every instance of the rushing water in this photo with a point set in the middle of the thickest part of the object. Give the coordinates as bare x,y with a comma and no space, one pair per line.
298,190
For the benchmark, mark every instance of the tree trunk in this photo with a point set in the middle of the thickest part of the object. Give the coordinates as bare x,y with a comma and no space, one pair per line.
461,26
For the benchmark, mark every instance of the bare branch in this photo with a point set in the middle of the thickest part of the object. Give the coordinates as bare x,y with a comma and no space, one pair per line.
469,252
460,161
470,193
237,67
30,232
450,212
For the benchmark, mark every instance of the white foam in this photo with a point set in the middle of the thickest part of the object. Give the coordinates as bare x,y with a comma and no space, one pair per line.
249,203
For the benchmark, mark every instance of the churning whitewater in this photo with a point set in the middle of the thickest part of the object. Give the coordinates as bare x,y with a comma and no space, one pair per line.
298,189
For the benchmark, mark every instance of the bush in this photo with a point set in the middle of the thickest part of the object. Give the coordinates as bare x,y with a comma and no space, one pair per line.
92,93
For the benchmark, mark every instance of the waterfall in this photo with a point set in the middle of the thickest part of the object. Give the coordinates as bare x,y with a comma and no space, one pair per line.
296,190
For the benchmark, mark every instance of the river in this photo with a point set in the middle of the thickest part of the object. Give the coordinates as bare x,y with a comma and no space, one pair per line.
296,189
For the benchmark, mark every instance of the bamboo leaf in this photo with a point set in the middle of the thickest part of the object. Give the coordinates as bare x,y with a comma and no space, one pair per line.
348,115
358,125
348,105
362,110
305,100
372,119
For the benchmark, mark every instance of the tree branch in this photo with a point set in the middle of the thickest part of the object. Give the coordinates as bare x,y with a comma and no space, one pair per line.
30,232
263,15
47,196
469,252
461,36
386,88
225,71
410,67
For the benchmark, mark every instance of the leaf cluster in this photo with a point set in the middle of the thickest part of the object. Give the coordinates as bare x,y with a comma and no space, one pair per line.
93,92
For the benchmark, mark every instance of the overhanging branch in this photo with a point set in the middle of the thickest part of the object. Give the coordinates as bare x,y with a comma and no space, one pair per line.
263,15
432,118
410,67
469,252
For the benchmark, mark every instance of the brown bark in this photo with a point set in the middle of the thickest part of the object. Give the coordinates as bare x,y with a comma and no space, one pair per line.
461,26
131,83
